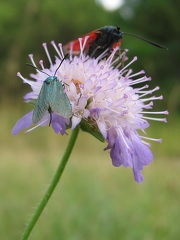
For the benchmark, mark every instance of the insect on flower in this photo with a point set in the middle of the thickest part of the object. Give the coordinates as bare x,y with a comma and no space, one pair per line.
100,40
108,102
52,98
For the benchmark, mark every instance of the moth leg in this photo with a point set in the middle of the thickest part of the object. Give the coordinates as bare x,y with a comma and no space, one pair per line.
93,53
50,112
121,54
124,57
79,98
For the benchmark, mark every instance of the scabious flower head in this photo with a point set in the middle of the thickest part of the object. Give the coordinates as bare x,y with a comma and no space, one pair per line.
105,103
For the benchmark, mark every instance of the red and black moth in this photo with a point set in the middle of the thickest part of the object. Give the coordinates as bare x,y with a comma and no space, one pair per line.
103,39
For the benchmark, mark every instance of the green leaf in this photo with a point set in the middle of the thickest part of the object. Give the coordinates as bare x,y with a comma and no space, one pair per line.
91,128
33,101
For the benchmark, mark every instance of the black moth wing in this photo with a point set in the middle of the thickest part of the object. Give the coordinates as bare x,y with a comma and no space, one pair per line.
106,37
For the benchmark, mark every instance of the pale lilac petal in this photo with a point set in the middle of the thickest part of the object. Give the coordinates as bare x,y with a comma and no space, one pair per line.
132,153
110,138
29,96
22,123
117,159
138,177
102,128
142,151
120,153
86,113
59,123
82,103
143,124
75,121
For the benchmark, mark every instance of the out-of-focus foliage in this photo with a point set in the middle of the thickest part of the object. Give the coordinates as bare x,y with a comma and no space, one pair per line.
26,24
158,21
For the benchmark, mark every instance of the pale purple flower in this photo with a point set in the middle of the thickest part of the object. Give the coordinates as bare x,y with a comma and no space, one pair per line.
102,93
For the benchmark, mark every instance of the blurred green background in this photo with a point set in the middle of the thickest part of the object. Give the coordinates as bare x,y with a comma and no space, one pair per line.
94,200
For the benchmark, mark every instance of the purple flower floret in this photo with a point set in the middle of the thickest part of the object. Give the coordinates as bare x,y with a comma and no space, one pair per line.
102,93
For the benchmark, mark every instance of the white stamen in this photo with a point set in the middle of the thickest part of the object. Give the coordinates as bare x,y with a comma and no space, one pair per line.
152,139
31,83
61,50
148,106
57,50
133,60
47,53
32,60
80,44
139,90
71,51
122,113
140,80
41,64
152,98
149,92
84,44
29,130
155,119
119,58
163,112
136,74
110,58
145,143
122,135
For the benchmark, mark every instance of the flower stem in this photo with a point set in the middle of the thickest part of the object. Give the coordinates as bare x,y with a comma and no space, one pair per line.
52,185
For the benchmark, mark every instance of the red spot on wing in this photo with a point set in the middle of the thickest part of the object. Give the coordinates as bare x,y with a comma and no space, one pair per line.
75,45
117,44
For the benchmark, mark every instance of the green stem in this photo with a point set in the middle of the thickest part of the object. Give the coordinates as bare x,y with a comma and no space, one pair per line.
52,185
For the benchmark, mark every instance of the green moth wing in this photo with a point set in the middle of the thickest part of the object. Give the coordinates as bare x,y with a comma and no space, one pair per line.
52,98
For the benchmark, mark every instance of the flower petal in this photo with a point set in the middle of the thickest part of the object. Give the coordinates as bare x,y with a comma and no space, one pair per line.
22,123
142,151
59,123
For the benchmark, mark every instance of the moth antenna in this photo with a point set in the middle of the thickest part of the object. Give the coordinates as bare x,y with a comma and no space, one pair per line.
60,64
29,64
146,40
